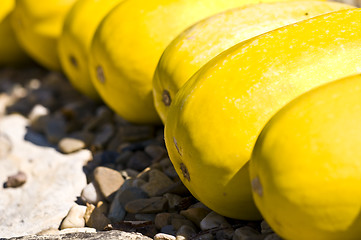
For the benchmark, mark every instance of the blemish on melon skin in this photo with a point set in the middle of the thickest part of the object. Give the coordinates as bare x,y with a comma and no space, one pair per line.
100,74
184,171
257,186
166,99
176,146
73,61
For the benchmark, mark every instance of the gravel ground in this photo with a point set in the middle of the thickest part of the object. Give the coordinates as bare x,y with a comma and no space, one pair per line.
131,183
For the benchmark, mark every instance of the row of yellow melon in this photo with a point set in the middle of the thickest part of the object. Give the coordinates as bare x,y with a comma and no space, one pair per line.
111,48
215,73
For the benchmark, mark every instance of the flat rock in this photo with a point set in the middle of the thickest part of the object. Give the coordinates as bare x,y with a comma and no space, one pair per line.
54,181
157,182
212,220
106,235
108,180
69,145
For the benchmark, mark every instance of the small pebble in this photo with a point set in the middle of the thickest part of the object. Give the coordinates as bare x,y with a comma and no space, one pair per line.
129,173
173,200
122,197
91,194
37,112
196,215
70,145
204,236
162,219
226,232
246,233
116,212
97,219
55,129
164,236
185,232
15,180
170,172
265,228
179,222
149,205
103,135
89,209
155,152
138,161
157,182
74,218
108,181
212,220
103,115
124,157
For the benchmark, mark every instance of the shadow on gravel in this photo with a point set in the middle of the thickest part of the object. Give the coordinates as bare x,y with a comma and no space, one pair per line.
37,138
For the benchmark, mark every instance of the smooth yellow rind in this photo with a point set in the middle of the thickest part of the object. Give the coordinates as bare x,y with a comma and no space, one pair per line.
207,38
74,43
38,24
11,53
217,115
307,163
129,42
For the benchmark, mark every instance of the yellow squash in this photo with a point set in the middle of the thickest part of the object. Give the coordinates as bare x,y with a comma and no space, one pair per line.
216,116
38,24
74,43
204,40
306,165
129,42
11,53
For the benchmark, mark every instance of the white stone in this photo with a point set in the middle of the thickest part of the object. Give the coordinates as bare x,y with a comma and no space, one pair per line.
91,194
212,220
75,217
37,111
54,182
164,236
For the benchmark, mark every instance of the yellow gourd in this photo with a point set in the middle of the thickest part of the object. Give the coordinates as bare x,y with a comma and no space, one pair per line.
129,42
207,38
38,24
306,165
74,43
216,116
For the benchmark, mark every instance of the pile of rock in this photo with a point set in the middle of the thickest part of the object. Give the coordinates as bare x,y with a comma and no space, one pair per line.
125,182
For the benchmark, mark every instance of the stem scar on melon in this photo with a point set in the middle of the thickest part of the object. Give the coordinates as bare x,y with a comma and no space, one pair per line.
182,166
100,74
257,186
166,98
